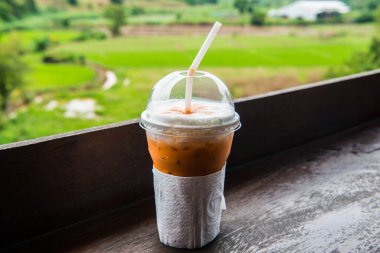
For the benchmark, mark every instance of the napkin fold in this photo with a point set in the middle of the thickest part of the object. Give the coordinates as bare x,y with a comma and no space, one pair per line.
188,208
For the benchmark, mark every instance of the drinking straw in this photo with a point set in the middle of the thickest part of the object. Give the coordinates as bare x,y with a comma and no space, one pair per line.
197,60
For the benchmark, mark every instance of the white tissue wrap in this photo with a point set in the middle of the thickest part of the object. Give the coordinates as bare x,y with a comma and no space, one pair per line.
188,208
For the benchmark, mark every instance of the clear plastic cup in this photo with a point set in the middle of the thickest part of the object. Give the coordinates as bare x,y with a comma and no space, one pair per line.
194,146
189,155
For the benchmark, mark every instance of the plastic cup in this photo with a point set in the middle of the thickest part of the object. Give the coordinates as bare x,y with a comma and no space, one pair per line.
189,156
189,153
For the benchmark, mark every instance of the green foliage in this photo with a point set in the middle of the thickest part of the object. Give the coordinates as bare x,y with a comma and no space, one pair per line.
365,17
30,6
246,5
72,2
195,2
5,12
363,4
3,120
258,18
116,15
16,9
41,44
63,57
63,22
12,70
360,61
373,4
374,51
136,10
87,34
300,22
377,19
117,1
377,15
363,11
178,16
29,38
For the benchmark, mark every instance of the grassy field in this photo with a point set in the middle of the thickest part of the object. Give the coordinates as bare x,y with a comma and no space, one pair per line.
227,51
249,64
28,37
44,77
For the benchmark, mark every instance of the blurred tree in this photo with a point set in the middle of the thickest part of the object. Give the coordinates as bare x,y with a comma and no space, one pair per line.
241,5
10,9
17,8
63,22
12,71
135,11
372,5
41,44
72,2
5,12
117,1
364,17
31,6
377,15
117,17
359,62
246,5
258,18
195,2
178,16
374,50
377,19
369,60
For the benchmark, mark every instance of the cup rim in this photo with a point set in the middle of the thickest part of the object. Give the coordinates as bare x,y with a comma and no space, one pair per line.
212,131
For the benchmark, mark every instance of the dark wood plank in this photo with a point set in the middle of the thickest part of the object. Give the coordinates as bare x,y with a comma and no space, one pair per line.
52,182
284,119
320,197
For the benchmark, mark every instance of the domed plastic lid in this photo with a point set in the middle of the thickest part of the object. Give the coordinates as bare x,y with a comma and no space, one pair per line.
211,104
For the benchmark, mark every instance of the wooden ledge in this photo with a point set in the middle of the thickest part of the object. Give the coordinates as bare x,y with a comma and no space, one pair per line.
49,184
323,196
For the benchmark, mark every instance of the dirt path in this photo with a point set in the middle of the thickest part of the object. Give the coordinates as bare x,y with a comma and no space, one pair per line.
111,80
142,30
100,73
161,30
105,78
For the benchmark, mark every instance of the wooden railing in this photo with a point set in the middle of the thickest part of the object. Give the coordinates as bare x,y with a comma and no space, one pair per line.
52,182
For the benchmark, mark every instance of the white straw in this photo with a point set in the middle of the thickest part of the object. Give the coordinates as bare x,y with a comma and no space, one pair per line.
195,65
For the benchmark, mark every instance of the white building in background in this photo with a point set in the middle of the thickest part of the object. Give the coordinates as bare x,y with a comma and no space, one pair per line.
310,10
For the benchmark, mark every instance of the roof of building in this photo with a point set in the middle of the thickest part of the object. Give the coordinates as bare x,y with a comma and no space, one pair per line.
309,9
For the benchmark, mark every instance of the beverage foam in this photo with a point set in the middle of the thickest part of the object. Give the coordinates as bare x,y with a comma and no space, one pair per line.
204,113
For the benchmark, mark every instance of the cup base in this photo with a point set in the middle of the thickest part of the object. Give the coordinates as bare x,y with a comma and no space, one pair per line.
188,208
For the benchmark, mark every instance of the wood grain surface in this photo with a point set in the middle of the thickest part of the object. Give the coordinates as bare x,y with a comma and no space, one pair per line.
319,197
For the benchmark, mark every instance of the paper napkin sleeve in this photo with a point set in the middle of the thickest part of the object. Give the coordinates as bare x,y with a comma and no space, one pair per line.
188,208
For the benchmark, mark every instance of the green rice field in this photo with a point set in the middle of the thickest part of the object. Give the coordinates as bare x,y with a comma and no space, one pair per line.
249,64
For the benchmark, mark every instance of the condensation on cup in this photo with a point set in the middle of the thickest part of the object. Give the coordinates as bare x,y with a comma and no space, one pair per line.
189,153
